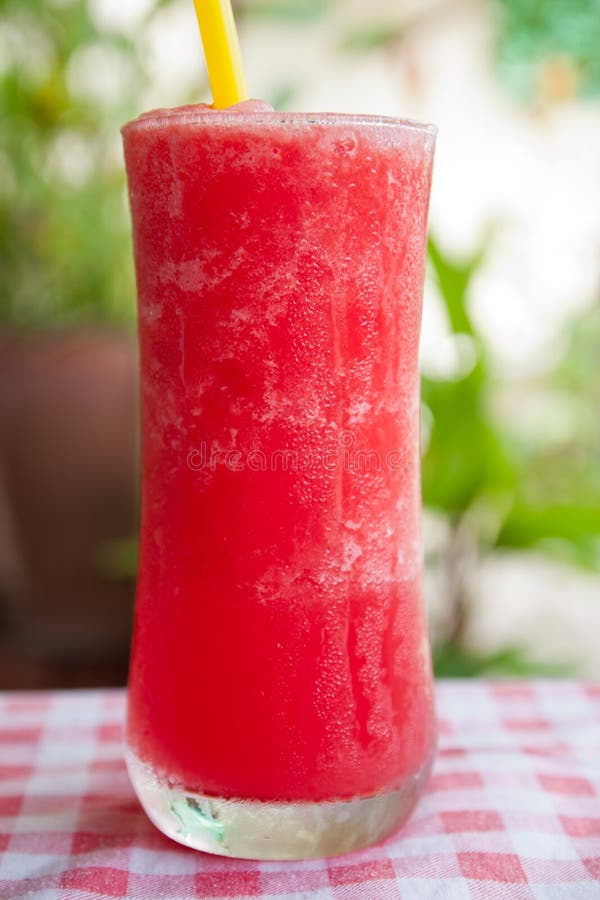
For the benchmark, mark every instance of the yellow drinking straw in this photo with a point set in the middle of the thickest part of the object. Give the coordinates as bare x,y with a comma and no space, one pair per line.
222,51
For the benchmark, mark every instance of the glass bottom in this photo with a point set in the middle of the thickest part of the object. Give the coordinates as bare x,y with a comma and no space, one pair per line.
250,829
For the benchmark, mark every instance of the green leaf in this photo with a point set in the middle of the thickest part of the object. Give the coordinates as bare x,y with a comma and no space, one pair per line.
284,10
118,559
42,280
283,97
533,35
371,38
528,525
466,455
451,661
453,279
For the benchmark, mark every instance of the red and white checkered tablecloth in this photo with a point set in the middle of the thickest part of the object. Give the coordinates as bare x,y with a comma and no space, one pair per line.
512,809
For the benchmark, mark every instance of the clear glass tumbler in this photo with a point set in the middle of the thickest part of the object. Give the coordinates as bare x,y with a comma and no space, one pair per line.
280,695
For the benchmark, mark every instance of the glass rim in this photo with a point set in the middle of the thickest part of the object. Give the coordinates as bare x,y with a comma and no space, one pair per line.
224,118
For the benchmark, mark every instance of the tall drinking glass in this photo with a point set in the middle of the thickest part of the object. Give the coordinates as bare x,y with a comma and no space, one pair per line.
280,693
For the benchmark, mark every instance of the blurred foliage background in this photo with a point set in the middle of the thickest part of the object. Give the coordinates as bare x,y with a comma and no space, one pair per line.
511,369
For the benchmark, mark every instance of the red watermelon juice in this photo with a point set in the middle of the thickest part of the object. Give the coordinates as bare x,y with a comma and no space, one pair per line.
280,694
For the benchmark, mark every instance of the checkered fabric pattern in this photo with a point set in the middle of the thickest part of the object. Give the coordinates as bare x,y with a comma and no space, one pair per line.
512,809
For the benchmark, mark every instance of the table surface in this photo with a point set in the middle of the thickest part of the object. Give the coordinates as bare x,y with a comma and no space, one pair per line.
512,808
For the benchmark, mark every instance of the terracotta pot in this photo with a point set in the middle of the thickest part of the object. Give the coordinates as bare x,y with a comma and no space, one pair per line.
68,486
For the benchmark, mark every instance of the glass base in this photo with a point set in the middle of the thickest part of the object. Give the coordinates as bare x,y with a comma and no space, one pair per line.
250,829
